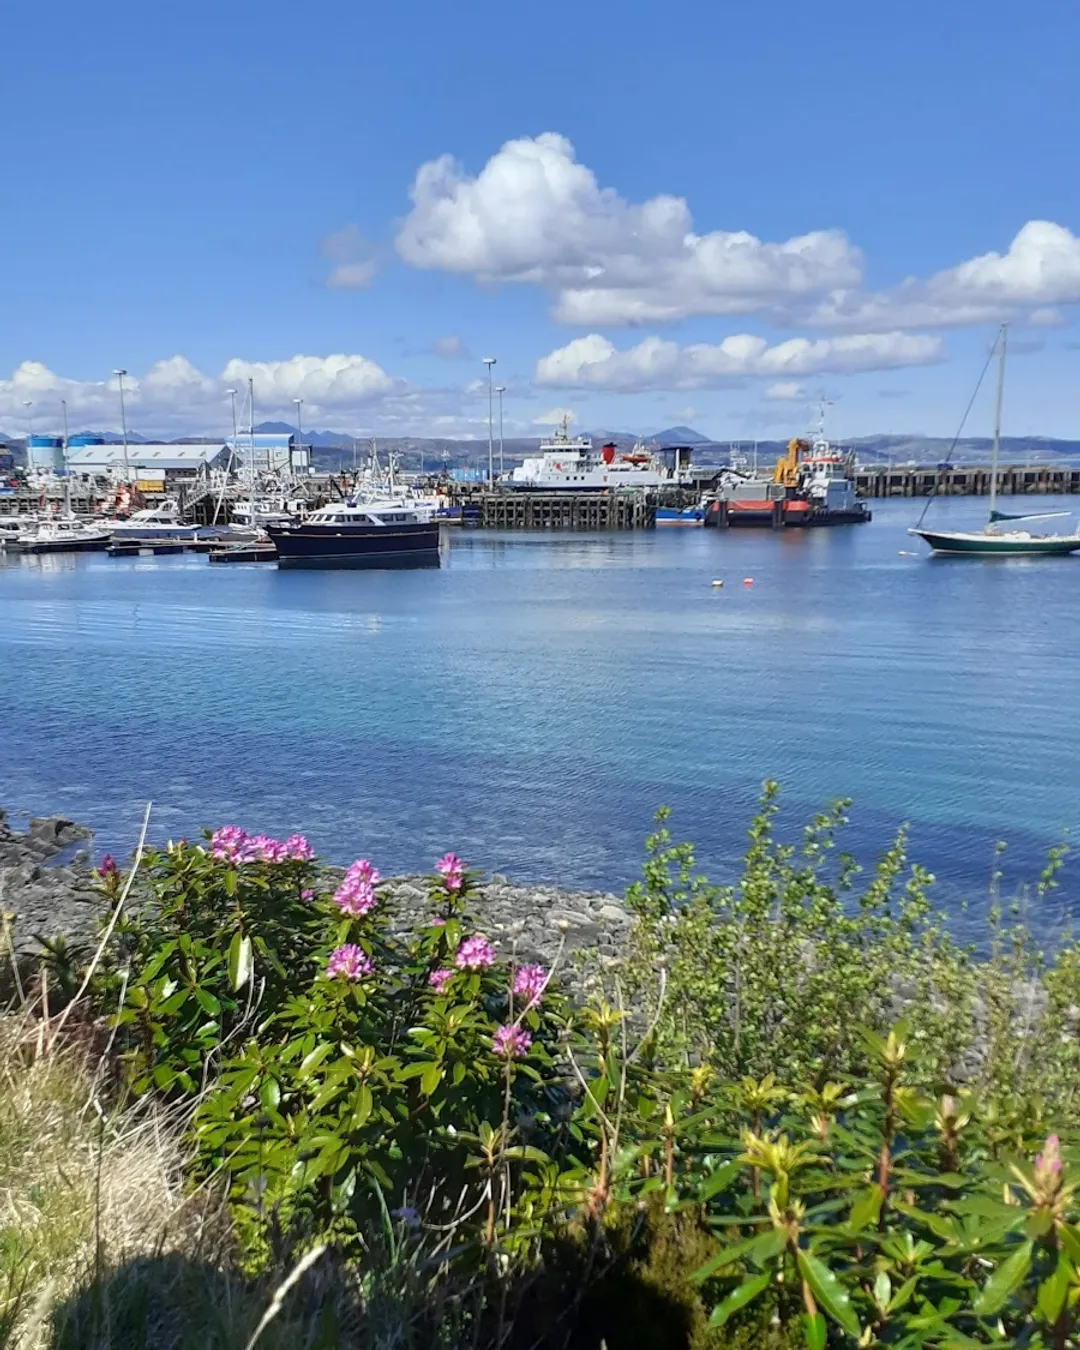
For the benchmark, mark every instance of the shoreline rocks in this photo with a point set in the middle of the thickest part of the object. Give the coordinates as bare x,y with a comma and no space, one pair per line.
47,884
46,880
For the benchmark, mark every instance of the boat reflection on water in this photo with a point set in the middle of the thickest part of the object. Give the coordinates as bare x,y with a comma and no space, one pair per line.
378,534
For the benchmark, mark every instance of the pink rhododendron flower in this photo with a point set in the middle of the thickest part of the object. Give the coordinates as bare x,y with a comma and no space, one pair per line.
349,962
474,954
439,979
437,922
108,867
452,870
1048,1162
307,895
297,848
227,843
356,894
529,982
261,848
511,1042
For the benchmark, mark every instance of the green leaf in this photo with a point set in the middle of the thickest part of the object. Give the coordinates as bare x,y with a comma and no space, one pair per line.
364,1103
230,881
718,1180
239,960
739,1297
757,1249
865,1208
207,1002
313,1059
814,1331
1004,1282
431,1078
1053,1290
270,1094
829,1292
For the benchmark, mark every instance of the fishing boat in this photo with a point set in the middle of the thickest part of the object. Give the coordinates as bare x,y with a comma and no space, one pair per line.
360,534
155,522
999,536
62,535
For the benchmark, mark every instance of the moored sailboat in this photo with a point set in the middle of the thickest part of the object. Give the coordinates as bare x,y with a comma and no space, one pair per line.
993,539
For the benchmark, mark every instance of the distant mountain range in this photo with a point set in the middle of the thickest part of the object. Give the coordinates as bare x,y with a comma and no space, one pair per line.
333,450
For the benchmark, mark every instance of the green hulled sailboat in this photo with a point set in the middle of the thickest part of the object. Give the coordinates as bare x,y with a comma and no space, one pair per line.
999,535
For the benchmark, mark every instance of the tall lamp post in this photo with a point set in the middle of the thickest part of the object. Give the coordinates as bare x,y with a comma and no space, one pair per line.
28,404
63,404
299,429
500,389
123,424
489,361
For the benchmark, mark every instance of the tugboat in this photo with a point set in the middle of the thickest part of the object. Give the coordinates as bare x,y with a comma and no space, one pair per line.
388,533
813,484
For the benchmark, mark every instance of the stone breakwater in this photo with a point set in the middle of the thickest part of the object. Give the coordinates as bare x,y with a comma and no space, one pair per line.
47,884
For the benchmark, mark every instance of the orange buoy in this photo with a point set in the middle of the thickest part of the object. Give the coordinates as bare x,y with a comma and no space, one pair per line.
748,581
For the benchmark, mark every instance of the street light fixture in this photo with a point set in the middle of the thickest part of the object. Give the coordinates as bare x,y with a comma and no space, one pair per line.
299,429
489,361
500,389
123,424
28,404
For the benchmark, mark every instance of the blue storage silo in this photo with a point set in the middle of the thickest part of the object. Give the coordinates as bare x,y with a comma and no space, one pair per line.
84,438
45,453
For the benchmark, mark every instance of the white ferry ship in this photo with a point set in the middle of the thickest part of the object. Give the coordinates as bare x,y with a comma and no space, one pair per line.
570,464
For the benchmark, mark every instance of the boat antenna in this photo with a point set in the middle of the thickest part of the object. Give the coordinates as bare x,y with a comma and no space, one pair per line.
960,428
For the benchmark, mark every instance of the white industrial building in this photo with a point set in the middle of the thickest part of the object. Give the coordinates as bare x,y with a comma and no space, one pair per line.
172,463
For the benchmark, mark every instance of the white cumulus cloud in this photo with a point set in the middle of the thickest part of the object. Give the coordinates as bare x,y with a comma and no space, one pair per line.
594,362
534,214
1038,272
174,397
784,391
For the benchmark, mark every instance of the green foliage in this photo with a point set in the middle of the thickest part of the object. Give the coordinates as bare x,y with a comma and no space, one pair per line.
735,1143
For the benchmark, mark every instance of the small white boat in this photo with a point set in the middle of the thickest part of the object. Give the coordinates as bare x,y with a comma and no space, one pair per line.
61,535
154,522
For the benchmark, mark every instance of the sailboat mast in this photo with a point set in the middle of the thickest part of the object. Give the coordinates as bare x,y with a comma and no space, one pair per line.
1002,343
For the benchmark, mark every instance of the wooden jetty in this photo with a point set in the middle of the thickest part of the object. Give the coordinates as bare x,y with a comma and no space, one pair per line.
255,551
132,548
966,480
560,510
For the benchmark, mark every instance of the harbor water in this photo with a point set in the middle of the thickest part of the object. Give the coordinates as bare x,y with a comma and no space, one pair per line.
531,702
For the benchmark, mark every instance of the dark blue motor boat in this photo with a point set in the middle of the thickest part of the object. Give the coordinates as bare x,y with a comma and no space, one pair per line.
360,534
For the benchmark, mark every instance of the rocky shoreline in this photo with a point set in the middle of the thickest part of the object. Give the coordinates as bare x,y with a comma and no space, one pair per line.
46,885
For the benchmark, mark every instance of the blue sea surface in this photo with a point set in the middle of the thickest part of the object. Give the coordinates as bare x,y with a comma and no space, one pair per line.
531,702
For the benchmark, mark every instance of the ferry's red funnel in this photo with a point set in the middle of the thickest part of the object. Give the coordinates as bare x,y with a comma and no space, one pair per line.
607,453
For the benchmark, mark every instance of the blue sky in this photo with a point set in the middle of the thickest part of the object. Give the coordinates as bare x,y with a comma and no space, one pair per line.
650,213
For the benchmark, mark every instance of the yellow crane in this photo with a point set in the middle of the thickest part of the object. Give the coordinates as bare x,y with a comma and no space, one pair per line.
787,466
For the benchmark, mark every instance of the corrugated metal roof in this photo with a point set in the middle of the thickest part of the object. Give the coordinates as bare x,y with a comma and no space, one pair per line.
181,456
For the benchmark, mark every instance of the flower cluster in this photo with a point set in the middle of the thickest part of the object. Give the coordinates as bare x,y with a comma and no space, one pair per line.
439,979
348,962
233,845
452,870
475,953
511,1042
108,868
529,984
356,894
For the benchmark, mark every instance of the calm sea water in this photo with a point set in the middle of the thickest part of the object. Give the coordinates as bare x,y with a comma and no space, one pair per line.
530,703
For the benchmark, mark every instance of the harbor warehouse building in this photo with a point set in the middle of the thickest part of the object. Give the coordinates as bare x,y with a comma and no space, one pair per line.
179,463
